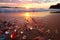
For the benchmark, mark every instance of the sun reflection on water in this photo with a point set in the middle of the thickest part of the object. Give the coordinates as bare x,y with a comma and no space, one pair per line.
29,15
36,14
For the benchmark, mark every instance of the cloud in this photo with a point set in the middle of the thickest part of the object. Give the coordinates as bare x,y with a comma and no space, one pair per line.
36,1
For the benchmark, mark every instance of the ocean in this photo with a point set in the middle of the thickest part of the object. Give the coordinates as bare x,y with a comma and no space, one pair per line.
45,20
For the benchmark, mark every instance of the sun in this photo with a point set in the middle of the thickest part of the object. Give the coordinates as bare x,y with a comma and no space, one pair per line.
27,7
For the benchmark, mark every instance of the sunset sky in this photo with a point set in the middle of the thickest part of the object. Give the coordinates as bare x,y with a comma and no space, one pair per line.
29,3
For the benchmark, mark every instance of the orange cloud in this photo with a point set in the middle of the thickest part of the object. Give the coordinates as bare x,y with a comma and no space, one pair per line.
30,5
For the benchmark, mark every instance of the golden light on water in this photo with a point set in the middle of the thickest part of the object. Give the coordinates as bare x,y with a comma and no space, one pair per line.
36,14
27,15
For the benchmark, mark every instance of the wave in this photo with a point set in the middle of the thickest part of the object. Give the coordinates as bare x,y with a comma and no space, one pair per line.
7,10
